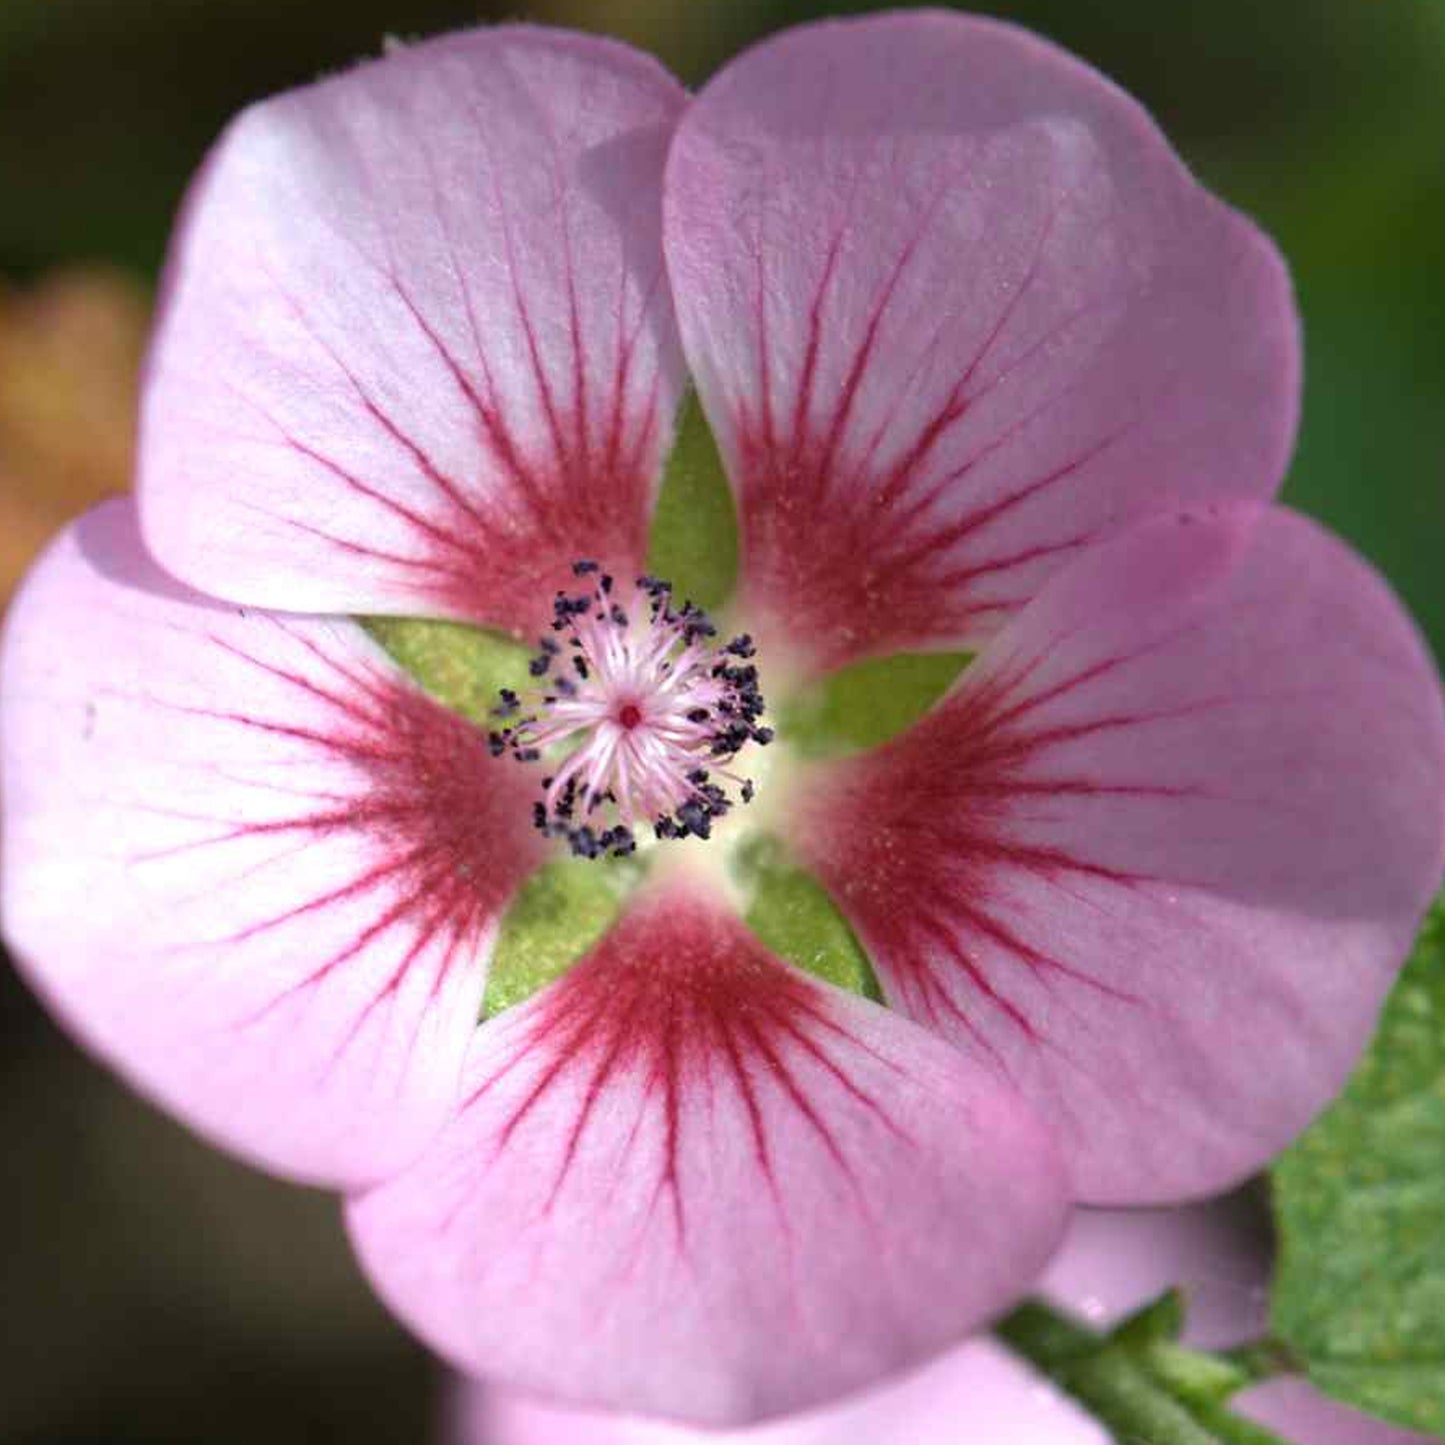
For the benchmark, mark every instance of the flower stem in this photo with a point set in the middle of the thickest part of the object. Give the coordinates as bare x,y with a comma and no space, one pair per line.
1263,1359
1138,1381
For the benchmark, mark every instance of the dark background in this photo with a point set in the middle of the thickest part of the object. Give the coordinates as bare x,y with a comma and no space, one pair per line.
154,1291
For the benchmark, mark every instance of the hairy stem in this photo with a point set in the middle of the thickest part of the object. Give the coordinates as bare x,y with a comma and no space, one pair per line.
1138,1382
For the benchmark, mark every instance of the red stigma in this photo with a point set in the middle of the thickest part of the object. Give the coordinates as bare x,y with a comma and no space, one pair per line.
629,715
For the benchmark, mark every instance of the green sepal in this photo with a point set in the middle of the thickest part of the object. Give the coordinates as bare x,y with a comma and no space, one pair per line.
1197,1376
694,541
462,666
561,911
793,914
863,705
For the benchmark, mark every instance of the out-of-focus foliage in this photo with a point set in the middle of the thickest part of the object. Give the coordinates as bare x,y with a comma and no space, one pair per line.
70,349
106,105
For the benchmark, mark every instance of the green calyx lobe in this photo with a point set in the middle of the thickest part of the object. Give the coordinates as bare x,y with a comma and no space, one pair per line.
560,912
694,539
461,666
791,912
863,705
566,907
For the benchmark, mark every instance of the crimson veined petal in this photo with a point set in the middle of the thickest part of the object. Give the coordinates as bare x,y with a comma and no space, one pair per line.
416,351
1158,855
688,1180
246,859
956,312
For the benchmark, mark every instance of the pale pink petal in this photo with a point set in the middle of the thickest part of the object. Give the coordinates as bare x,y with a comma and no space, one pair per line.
1301,1413
956,311
689,1181
1217,1254
978,1394
245,860
1112,1263
416,351
1157,857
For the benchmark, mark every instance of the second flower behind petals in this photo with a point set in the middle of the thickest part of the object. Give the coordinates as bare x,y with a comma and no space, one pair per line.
643,711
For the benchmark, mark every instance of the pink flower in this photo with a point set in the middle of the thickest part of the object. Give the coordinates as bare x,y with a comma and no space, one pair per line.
989,371
1112,1263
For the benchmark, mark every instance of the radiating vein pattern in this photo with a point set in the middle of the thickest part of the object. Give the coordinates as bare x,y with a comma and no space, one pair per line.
299,860
432,332
685,1127
716,1017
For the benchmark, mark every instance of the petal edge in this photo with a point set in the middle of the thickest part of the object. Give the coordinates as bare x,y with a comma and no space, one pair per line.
1159,855
415,350
690,1181
245,859
917,444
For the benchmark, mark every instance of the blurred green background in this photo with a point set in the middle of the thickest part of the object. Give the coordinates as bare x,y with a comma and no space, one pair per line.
153,1291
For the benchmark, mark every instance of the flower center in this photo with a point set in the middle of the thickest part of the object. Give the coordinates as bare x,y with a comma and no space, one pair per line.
638,712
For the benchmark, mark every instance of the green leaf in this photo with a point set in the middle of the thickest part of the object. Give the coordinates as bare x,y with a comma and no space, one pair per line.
1359,1293
1136,1379
861,706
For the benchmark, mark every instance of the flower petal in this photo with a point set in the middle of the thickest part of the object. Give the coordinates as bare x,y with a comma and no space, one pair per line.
245,860
416,351
1111,1263
977,1394
1216,1254
1292,1406
1159,854
955,311
690,1181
